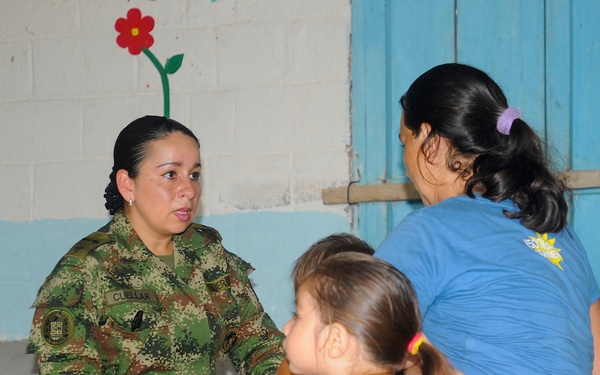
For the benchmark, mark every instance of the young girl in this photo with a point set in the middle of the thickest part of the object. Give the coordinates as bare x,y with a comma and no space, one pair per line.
356,314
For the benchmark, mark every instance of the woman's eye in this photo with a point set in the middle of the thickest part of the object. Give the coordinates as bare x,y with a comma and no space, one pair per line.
194,176
170,175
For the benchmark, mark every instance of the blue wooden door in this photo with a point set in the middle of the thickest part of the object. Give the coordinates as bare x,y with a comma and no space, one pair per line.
544,54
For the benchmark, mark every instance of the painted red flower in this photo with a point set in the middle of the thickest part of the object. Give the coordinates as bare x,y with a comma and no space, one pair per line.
134,31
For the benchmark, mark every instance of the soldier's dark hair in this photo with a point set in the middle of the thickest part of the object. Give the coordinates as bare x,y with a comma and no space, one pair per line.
462,104
326,247
131,148
377,304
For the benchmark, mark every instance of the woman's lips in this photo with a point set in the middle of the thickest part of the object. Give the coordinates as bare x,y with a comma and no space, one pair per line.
183,214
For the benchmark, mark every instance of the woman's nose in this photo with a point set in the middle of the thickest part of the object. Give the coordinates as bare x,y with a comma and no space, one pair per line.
186,188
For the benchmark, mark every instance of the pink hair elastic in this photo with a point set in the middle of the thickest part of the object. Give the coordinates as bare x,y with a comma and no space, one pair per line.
415,343
506,119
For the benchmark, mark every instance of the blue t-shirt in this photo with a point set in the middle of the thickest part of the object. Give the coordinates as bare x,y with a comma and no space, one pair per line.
496,297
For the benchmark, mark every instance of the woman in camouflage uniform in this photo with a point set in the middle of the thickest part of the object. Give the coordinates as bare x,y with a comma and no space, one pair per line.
152,292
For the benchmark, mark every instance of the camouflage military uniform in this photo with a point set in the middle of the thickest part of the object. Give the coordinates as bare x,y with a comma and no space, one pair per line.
110,306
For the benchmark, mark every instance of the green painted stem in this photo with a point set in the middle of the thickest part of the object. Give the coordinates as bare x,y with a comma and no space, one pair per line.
163,78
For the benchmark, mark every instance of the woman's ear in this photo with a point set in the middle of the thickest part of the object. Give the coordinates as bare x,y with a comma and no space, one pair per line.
432,147
338,340
125,184
425,129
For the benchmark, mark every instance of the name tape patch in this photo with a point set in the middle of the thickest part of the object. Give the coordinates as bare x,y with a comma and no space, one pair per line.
130,295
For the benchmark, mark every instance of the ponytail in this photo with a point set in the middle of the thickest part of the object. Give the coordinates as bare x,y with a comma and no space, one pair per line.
519,169
114,200
433,361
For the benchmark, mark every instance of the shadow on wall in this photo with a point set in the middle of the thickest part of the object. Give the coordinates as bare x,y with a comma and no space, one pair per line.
14,361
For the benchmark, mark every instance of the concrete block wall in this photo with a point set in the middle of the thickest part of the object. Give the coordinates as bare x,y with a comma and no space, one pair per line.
264,84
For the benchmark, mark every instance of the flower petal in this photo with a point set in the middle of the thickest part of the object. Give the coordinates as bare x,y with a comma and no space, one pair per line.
121,25
146,24
135,48
146,41
134,14
123,40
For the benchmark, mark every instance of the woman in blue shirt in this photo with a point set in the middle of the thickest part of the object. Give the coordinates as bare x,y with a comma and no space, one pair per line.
504,284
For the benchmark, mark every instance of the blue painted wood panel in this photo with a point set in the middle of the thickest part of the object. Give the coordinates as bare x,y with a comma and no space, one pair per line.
506,40
380,75
585,52
369,76
544,54
558,81
585,119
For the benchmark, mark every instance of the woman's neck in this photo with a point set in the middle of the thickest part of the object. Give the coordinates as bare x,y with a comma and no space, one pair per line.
159,247
157,243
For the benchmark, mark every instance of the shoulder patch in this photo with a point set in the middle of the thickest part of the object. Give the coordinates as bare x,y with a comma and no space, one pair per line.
82,248
57,327
207,231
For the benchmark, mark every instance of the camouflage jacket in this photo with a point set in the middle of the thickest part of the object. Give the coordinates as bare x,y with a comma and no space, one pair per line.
110,306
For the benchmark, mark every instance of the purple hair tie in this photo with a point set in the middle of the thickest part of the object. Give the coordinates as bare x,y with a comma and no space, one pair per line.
506,119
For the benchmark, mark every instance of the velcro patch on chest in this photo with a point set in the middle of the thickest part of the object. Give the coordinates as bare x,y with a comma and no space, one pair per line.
219,284
115,297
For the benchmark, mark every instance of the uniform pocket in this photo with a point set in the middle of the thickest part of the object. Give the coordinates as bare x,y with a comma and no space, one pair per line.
136,334
135,317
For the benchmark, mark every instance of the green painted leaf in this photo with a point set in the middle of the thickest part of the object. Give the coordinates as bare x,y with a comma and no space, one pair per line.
173,64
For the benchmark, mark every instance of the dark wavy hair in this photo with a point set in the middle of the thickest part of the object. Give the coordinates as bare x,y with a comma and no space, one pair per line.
377,304
462,104
131,148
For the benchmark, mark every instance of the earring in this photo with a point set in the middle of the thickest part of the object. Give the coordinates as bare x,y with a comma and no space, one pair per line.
130,202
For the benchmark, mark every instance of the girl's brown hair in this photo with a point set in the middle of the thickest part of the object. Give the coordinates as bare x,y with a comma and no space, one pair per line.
377,304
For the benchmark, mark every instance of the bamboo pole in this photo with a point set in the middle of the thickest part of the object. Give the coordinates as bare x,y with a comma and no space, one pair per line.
404,192
583,179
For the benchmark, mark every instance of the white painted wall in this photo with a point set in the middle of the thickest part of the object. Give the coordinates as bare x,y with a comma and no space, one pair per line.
264,85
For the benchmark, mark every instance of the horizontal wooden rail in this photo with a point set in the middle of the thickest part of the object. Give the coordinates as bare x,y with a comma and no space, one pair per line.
404,192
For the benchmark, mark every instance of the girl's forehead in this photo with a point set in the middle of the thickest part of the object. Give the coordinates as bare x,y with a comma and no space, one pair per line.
304,299
301,296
